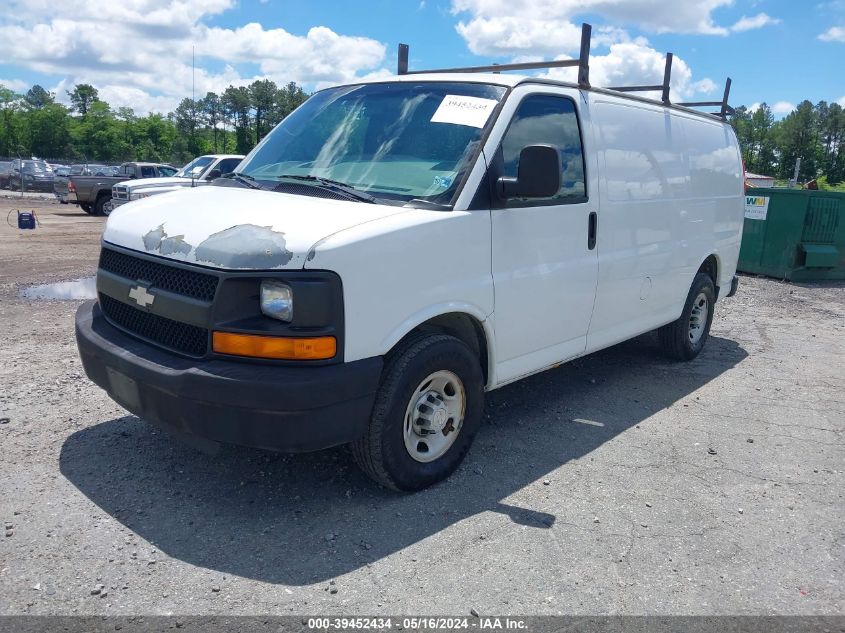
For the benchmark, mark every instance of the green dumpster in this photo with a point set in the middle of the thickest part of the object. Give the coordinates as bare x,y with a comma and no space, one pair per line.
793,234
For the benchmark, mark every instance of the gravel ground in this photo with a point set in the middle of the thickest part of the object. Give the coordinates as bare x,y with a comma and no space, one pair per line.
621,483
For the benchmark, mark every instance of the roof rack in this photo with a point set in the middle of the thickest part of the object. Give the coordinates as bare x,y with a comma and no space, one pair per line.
583,65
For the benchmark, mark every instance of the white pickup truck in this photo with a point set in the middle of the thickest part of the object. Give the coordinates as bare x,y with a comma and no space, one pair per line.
395,248
200,171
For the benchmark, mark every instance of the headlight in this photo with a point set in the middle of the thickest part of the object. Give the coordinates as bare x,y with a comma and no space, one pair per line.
277,300
138,196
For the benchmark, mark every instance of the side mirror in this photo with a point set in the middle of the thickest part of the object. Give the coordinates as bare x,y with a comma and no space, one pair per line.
538,175
214,173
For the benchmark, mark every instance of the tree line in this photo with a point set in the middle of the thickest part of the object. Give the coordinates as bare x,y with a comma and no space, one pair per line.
814,133
36,124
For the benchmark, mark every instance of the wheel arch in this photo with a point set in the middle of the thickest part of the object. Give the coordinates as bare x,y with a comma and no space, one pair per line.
467,324
711,266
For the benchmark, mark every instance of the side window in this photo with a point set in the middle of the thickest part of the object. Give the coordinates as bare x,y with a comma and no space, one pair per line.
547,120
227,165
148,172
130,170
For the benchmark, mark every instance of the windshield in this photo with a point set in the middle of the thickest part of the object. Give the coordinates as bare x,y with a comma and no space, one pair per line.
194,168
399,141
36,167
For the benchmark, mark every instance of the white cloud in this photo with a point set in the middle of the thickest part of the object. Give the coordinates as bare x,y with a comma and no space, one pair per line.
15,84
756,22
539,29
841,101
754,107
636,63
138,52
783,107
528,26
833,34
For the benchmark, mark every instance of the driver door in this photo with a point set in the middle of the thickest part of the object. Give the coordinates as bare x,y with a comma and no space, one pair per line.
545,266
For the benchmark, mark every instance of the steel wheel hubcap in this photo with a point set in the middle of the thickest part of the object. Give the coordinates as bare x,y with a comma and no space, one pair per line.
698,318
434,416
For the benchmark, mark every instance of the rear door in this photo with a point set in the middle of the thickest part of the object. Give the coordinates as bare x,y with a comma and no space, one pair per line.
544,260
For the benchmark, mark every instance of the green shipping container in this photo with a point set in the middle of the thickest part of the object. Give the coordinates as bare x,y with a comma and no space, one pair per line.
794,234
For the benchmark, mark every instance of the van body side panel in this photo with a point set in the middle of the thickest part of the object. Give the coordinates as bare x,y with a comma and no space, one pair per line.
641,244
402,270
670,196
717,196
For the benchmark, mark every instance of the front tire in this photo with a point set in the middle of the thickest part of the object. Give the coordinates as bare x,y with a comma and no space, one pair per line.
103,206
426,414
685,338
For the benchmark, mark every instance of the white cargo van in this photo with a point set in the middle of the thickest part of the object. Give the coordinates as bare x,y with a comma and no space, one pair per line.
396,248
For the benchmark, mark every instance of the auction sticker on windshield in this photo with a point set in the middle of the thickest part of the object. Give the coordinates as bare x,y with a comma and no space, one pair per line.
461,110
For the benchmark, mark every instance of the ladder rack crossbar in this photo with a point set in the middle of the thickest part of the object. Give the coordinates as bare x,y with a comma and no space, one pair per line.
583,65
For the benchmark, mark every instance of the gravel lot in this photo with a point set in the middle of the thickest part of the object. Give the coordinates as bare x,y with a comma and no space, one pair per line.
621,483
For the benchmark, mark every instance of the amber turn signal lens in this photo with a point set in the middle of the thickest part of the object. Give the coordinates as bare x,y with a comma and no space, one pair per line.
278,347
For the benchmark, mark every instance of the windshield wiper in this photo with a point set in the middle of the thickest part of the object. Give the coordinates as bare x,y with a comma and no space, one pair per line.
328,183
245,179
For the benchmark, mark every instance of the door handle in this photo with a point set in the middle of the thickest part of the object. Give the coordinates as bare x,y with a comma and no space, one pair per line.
592,229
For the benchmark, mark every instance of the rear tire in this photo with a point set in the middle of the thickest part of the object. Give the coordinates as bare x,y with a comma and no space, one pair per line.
685,338
431,389
86,207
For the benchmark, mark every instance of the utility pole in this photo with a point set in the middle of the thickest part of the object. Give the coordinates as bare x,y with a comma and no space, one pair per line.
794,182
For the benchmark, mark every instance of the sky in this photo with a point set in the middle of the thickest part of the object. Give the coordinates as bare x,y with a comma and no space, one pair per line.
138,53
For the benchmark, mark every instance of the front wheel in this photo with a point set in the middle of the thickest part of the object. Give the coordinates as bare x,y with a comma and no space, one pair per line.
103,206
685,338
426,414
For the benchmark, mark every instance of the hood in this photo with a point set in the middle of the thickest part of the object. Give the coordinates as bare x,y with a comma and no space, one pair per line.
164,181
232,228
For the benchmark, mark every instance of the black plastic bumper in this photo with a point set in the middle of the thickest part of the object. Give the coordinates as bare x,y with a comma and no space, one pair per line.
290,409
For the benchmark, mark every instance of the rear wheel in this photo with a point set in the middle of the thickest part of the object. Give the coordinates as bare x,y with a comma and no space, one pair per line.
426,414
685,338
86,207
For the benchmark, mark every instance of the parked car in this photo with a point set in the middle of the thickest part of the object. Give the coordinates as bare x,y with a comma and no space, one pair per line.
394,249
199,171
31,175
5,173
93,193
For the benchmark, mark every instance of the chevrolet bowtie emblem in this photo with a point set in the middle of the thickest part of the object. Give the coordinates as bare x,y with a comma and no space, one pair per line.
140,295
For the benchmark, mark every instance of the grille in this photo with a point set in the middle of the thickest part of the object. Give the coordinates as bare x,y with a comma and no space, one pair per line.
181,337
184,282
121,193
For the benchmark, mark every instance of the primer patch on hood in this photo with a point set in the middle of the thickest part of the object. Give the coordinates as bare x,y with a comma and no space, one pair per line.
240,246
245,246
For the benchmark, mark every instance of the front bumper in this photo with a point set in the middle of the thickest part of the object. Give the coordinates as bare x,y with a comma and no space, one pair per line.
281,408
